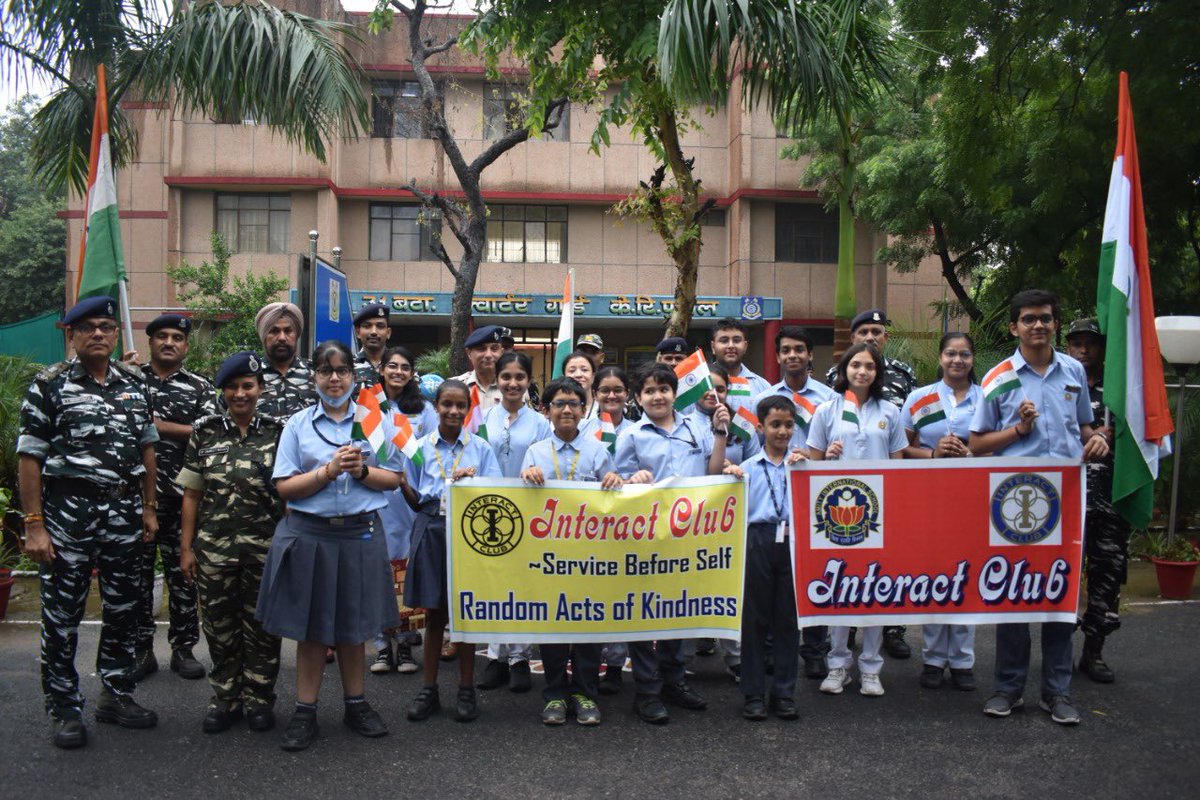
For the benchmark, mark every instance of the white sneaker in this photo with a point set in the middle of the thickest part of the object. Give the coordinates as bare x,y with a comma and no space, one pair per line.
835,681
871,687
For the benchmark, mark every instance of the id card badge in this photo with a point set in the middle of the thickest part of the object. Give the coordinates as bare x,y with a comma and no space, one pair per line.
781,531
444,499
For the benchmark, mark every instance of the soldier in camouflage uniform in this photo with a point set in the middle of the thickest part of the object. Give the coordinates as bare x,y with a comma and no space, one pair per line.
288,379
371,328
178,399
1106,534
898,382
230,509
87,479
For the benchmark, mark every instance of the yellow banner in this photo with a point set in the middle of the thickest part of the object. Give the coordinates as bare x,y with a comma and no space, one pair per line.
571,562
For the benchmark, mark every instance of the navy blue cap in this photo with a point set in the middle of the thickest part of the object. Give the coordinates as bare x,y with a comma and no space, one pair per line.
237,365
371,311
177,321
673,344
506,336
875,315
91,307
485,335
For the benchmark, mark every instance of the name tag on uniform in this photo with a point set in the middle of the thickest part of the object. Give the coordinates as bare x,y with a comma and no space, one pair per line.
214,451
131,396
79,400
781,532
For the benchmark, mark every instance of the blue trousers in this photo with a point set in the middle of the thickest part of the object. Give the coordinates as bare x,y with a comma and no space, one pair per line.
1013,653
769,606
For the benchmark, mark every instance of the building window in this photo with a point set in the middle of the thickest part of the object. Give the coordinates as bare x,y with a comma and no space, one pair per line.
531,234
403,232
806,233
396,110
715,218
254,223
504,112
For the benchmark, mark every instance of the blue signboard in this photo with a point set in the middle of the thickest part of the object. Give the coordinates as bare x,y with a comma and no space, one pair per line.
649,307
332,315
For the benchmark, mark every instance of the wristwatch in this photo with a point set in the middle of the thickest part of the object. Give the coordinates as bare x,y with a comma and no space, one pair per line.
363,474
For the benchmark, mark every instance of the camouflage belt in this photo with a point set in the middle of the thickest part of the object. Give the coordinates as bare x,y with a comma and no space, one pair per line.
82,487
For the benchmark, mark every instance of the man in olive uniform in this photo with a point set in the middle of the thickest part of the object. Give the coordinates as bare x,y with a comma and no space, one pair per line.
87,477
1106,536
371,328
178,398
484,346
870,327
227,549
288,378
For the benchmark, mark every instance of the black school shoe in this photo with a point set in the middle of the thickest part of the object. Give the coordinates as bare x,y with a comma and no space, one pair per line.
122,710
932,676
67,730
520,678
784,708
364,720
466,708
301,730
610,681
495,675
424,704
963,679
650,708
682,695
894,644
260,720
220,717
815,669
754,708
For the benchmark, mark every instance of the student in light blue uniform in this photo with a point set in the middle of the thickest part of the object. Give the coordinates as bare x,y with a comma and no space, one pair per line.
404,397
1048,416
878,434
729,344
662,445
447,454
736,451
512,426
326,580
958,395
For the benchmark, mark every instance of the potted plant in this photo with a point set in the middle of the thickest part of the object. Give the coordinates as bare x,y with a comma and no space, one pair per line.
1175,563
9,556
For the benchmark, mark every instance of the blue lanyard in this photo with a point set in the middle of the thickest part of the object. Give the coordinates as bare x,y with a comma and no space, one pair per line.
775,501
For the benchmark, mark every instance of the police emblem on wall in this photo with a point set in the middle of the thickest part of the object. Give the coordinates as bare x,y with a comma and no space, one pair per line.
1025,508
752,308
847,512
492,525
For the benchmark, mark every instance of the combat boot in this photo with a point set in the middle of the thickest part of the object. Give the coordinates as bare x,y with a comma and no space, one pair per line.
121,709
183,662
144,664
1091,663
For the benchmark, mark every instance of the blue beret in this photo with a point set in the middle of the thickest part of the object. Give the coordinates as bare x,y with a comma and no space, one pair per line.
875,315
485,335
371,311
91,307
177,321
673,344
237,365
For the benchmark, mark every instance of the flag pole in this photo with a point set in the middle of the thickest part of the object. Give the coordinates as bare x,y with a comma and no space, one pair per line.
126,320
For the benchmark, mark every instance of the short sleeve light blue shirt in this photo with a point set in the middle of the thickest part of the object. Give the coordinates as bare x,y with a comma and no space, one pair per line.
681,453
736,451
877,435
814,391
1062,402
766,489
309,441
584,458
510,440
958,415
441,458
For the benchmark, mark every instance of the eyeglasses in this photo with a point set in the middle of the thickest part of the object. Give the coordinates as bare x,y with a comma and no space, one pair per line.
611,390
88,328
574,405
341,372
1030,320
398,367
963,354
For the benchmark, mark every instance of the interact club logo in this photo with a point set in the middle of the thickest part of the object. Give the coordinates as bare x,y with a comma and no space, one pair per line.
847,511
1026,508
492,525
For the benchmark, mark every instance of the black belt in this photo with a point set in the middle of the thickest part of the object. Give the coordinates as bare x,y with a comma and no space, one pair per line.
82,487
348,521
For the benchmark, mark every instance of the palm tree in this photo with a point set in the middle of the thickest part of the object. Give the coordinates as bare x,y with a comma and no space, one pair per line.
291,72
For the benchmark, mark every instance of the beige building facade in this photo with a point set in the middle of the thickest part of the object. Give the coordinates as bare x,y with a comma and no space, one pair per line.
769,253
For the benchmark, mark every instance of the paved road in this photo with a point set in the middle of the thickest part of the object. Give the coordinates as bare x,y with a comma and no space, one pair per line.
1138,739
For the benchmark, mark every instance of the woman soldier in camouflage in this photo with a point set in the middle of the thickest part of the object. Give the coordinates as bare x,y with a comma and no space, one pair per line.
230,509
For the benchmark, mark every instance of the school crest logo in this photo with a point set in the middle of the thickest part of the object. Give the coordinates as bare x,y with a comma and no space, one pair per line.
492,525
848,512
1026,508
752,307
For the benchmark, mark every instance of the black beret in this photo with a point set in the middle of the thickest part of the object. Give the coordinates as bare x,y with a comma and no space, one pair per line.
91,307
485,335
673,344
875,315
372,311
237,365
177,321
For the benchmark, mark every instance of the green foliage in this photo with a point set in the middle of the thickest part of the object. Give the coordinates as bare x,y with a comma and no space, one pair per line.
1189,429
32,237
1155,545
434,362
224,313
16,375
288,70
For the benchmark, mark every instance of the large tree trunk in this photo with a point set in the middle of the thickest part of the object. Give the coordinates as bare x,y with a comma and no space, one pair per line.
683,246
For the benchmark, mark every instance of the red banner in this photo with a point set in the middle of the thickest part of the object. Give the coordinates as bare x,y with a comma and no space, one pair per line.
968,541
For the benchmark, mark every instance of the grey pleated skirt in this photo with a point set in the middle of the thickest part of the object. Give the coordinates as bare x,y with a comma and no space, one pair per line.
425,581
326,583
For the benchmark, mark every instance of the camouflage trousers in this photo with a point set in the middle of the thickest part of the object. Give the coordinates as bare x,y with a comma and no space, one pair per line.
1106,550
184,630
104,534
245,657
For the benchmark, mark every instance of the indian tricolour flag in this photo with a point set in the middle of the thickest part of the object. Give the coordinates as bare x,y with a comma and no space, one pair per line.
368,423
805,409
607,433
1000,379
694,380
739,387
474,423
745,424
406,439
927,411
1134,388
566,327
850,408
380,396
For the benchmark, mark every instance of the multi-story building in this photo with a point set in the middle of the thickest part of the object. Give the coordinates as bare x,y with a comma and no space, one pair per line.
770,247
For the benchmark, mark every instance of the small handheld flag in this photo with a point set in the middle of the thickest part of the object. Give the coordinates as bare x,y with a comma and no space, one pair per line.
744,426
607,433
406,440
694,380
927,411
1000,379
474,423
368,424
739,387
805,409
850,408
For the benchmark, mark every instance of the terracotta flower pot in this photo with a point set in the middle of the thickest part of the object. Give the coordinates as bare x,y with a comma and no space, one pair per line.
6,584
1175,578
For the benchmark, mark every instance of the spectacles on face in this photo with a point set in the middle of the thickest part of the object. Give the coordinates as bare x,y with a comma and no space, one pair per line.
574,405
611,390
965,355
1029,320
88,328
341,372
404,368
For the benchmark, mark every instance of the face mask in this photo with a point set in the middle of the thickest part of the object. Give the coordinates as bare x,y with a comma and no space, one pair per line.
336,402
